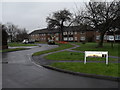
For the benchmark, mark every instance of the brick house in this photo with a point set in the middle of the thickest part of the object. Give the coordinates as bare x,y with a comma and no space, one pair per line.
70,34
109,34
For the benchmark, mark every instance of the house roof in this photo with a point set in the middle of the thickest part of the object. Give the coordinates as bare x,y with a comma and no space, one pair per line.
79,28
71,28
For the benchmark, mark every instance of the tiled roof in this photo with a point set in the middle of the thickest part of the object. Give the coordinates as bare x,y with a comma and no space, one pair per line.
71,28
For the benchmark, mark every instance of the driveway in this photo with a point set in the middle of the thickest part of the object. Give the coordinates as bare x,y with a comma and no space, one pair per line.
21,72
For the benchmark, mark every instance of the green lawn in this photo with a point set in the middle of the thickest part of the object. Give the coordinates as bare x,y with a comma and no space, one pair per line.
19,44
92,47
90,68
14,49
61,47
66,55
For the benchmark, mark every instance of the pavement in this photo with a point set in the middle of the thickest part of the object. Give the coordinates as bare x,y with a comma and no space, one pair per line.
22,72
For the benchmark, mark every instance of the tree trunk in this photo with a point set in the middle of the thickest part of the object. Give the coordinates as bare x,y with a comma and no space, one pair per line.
100,44
62,36
61,31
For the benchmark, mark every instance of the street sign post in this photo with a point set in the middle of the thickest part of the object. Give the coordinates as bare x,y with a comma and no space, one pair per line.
96,54
111,38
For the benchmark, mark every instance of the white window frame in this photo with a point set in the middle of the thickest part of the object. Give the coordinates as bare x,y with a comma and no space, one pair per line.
70,38
65,38
71,33
105,37
64,33
98,37
76,38
117,37
75,32
57,38
82,38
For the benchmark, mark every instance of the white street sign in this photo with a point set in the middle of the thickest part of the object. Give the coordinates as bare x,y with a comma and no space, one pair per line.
96,54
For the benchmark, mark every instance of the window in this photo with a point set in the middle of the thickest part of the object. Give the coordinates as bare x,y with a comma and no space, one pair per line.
70,38
68,32
43,34
57,38
82,38
98,37
65,38
64,33
105,37
110,37
71,33
75,38
117,37
75,32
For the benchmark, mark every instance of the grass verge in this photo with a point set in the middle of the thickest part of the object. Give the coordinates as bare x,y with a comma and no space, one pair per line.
11,50
66,55
61,47
90,68
19,44
92,47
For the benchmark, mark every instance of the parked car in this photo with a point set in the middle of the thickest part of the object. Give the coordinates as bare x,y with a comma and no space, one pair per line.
25,41
51,42
31,42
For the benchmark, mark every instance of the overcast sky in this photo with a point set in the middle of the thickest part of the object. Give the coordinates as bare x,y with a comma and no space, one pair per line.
32,15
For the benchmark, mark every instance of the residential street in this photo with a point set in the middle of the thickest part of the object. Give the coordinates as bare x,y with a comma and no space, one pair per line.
21,72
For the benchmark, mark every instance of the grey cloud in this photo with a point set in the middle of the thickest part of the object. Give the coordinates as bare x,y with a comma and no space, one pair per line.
32,15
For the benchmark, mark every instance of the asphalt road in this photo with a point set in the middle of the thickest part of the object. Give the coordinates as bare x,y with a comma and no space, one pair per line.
21,72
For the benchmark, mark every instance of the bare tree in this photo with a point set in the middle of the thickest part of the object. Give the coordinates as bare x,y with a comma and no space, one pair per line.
101,16
58,20
12,31
15,33
21,35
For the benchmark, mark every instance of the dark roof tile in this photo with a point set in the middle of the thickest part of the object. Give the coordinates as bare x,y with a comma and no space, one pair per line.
71,28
